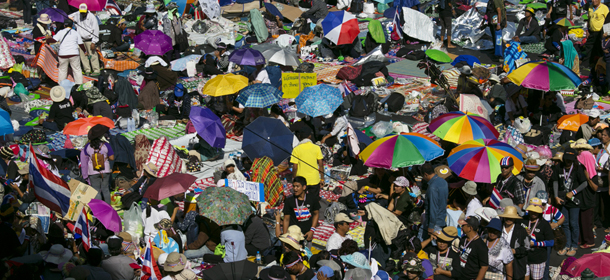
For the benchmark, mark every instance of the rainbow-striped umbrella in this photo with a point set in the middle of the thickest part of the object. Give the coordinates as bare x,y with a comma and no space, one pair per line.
564,22
401,150
545,76
459,127
479,160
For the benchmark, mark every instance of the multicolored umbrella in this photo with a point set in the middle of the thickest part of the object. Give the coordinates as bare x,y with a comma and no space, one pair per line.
458,127
564,22
153,42
208,126
224,206
267,137
92,5
319,100
340,27
479,160
545,76
247,56
170,185
82,126
259,96
224,85
401,150
106,215
572,122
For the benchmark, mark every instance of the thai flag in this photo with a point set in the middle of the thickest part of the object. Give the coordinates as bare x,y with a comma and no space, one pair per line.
150,269
82,228
49,189
397,30
113,8
494,200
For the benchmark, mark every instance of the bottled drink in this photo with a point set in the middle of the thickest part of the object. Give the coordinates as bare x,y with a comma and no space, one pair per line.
259,259
575,200
385,108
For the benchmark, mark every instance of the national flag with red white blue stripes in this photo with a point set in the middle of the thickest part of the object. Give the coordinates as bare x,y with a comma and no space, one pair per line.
150,269
495,198
48,188
82,228
113,8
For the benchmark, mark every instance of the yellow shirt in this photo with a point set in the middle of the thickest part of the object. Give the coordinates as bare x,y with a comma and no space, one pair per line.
305,156
597,17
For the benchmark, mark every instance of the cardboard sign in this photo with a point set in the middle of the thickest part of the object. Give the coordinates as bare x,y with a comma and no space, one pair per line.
294,83
255,191
288,11
81,196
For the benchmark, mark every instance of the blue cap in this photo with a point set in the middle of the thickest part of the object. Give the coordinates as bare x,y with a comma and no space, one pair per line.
594,142
496,224
179,90
326,270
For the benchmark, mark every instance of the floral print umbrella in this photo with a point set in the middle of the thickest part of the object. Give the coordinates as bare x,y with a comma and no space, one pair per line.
224,206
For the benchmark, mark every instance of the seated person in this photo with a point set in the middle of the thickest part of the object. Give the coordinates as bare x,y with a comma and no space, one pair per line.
209,63
257,235
234,240
497,93
206,151
400,201
557,34
207,238
165,76
111,35
317,11
528,31
548,110
515,106
61,111
294,265
342,222
329,49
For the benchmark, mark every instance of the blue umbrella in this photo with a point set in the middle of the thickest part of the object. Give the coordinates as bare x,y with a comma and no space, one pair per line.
259,96
208,126
273,10
319,100
247,56
267,137
6,127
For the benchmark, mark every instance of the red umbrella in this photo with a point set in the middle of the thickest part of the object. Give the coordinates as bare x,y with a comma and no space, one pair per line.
173,184
596,262
92,5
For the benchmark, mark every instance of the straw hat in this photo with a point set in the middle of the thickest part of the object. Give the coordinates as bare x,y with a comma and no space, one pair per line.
151,169
174,262
442,171
535,205
448,234
186,274
58,94
532,165
558,156
510,212
470,188
44,19
581,144
57,254
293,237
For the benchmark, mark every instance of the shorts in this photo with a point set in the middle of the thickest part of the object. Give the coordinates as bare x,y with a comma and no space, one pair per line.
536,270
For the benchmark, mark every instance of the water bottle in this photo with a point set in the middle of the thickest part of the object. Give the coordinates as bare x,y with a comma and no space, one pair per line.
385,108
575,200
258,258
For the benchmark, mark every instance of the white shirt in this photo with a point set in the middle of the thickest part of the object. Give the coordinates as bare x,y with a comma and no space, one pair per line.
69,44
88,28
263,77
508,235
149,223
339,127
335,240
511,107
473,205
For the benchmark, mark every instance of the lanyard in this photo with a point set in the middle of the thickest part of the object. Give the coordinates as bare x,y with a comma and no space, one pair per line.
566,177
505,181
493,245
296,202
529,225
468,244
438,258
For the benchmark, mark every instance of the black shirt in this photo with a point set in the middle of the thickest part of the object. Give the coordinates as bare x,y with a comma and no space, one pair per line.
560,8
383,183
110,34
61,113
450,257
473,256
8,240
307,275
540,232
575,178
588,196
305,211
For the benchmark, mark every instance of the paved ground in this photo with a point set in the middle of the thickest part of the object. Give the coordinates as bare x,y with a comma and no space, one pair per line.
556,259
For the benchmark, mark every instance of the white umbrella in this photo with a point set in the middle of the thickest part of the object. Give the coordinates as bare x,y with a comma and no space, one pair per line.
210,8
286,57
284,40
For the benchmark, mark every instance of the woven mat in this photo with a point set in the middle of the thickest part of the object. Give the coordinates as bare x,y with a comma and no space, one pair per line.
156,133
537,48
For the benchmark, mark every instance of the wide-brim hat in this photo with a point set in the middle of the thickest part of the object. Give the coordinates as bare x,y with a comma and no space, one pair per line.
292,237
44,19
149,73
7,153
57,254
443,171
558,156
532,165
151,169
494,78
359,274
175,262
356,259
470,188
150,8
274,273
581,144
186,274
496,224
486,213
510,212
448,234
535,205
58,94
97,131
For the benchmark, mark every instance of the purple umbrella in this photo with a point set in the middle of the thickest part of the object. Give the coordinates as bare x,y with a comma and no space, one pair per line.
106,215
208,126
247,56
153,42
55,14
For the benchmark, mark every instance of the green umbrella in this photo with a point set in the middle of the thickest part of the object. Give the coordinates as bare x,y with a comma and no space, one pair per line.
439,56
536,6
224,206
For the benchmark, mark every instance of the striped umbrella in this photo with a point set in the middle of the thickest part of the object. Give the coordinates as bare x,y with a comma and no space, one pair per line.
458,127
259,96
402,150
479,160
564,22
340,27
545,76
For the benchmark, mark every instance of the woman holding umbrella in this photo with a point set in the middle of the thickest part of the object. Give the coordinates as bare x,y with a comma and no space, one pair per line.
95,161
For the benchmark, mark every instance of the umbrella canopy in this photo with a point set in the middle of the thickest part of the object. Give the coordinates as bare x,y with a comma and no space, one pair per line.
55,14
283,56
153,42
319,100
596,262
266,46
572,122
458,127
106,215
545,76
402,150
224,206
232,271
208,126
469,59
438,55
247,56
6,127
267,137
224,85
173,184
479,160
471,103
340,27
564,22
82,126
92,5
259,96
273,10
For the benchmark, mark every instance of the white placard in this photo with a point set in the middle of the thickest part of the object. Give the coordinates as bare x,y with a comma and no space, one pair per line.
255,191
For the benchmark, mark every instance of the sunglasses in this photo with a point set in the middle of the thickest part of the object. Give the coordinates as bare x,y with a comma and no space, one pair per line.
506,167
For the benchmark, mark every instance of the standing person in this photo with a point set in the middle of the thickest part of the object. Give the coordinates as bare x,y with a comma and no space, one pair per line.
587,205
474,258
89,29
499,252
601,162
301,210
41,32
496,17
559,9
517,238
528,30
550,213
436,201
597,16
95,161
70,43
541,237
532,184
508,185
342,222
443,258
118,265
172,26
446,10
307,162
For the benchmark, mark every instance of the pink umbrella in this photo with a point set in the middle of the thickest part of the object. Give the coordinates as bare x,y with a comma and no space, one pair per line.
92,5
106,215
153,42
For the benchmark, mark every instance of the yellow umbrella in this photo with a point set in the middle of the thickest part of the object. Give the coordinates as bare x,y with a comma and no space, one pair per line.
225,85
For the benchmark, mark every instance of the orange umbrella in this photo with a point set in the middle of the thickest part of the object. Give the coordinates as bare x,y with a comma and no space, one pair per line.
572,122
82,126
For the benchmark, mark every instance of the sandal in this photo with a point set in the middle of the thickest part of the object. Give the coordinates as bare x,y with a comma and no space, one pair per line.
571,253
562,252
587,246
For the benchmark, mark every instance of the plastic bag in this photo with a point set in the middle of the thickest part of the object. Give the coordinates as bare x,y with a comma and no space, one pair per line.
523,125
369,8
382,129
132,222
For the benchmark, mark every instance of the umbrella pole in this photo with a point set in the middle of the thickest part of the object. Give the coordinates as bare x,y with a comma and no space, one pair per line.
541,104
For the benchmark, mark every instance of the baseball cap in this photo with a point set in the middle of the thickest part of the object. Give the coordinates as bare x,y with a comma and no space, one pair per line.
507,161
82,8
342,217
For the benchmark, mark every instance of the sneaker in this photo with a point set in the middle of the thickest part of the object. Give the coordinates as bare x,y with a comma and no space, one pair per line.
562,252
571,253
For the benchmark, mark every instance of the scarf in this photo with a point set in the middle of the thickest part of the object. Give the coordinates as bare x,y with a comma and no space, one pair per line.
44,31
569,53
588,160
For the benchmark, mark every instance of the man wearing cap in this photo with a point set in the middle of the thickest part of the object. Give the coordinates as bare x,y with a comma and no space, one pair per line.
586,129
400,200
528,31
532,184
474,259
70,43
497,93
435,202
342,222
118,265
307,162
508,185
89,29
541,236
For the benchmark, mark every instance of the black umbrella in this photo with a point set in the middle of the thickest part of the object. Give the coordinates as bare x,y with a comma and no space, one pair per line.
242,270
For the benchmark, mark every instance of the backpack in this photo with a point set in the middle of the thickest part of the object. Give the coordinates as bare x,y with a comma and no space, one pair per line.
357,6
305,67
395,102
349,72
33,136
332,210
128,199
363,105
98,160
